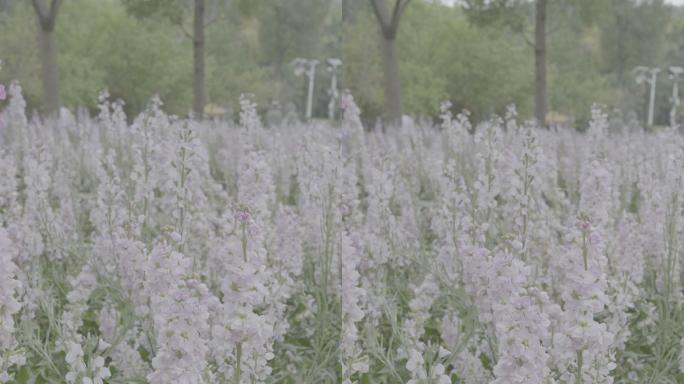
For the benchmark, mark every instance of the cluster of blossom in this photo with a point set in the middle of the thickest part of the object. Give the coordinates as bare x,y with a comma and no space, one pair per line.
3,97
180,309
413,348
352,297
160,249
11,354
92,370
519,325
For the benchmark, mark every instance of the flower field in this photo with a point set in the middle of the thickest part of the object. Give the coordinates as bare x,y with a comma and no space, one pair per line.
166,250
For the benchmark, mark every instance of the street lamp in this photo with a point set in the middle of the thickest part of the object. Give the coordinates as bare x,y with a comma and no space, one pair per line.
333,66
674,99
649,75
308,68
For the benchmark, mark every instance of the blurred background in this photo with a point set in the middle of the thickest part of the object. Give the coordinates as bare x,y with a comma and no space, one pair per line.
551,58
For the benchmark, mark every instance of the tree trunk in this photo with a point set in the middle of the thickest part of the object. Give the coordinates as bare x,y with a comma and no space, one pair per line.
392,84
50,70
198,60
620,48
47,39
389,27
540,99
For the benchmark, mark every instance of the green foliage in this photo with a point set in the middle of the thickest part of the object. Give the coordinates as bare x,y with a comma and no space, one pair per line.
174,10
575,81
19,51
362,72
475,57
136,50
461,63
632,34
148,61
501,13
121,54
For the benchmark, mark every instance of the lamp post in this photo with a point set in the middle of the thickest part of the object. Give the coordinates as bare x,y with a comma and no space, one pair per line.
674,99
333,66
308,68
3,92
649,75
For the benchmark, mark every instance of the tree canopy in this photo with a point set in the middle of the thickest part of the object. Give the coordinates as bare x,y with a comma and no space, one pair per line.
136,50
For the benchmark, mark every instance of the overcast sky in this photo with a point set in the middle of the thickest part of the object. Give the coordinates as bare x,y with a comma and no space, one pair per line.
675,2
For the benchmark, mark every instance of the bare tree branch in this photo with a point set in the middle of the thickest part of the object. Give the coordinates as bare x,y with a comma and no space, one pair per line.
403,7
210,20
555,28
39,10
54,8
527,39
395,12
378,13
178,21
214,19
216,13
389,27
185,31
559,22
47,20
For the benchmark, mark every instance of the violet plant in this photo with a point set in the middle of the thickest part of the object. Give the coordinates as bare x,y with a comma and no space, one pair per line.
166,250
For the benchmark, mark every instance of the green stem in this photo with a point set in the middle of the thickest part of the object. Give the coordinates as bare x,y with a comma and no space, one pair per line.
244,242
585,251
238,357
578,374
